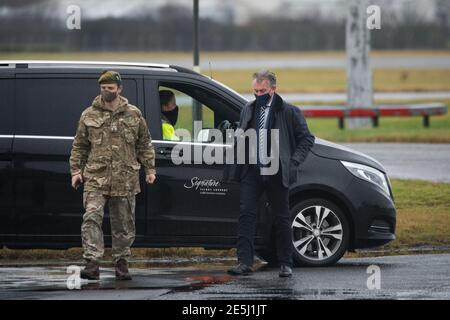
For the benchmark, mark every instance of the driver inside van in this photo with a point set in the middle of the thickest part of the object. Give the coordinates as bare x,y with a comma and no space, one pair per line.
169,114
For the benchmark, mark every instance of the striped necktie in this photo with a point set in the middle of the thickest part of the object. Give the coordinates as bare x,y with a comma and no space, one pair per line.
262,136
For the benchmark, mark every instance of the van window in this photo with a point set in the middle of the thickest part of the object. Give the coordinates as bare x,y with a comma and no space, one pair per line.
52,107
212,109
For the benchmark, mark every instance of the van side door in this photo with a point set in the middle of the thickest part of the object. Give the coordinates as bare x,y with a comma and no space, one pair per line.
49,105
7,225
190,202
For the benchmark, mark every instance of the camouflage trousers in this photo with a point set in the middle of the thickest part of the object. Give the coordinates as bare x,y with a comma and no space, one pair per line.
122,218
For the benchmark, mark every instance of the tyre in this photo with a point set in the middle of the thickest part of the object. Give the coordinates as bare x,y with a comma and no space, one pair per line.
320,234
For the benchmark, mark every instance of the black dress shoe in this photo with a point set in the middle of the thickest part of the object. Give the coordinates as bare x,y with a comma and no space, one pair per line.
285,271
240,270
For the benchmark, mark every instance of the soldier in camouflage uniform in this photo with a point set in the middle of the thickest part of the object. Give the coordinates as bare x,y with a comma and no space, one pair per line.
111,143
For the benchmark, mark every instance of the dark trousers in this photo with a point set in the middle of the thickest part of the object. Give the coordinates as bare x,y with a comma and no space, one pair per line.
252,187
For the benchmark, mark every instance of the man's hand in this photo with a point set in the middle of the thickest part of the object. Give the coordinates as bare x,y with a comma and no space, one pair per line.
77,179
150,178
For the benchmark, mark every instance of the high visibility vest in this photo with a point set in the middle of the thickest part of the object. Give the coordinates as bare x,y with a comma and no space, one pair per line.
168,130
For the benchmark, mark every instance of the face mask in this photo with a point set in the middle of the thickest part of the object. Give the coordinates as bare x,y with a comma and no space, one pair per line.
262,100
172,115
108,96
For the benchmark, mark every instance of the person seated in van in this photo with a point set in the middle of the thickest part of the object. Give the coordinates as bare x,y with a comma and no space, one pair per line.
169,114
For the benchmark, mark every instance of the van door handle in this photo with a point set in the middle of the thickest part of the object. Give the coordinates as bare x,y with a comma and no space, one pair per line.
167,152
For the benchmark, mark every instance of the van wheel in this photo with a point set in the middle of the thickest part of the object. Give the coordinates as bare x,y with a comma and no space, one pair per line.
320,233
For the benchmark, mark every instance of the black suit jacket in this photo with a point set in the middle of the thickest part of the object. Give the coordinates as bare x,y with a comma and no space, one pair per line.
294,145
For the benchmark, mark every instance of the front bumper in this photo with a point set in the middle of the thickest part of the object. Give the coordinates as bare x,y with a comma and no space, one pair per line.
374,214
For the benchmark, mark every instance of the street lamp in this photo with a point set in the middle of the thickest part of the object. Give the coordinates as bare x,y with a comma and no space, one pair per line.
196,107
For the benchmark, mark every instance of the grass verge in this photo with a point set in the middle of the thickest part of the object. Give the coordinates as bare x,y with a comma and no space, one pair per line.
334,80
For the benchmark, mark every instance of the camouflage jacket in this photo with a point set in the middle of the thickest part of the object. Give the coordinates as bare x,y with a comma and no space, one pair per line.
109,148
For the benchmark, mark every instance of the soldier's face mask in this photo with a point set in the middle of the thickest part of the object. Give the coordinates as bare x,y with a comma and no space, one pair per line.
109,96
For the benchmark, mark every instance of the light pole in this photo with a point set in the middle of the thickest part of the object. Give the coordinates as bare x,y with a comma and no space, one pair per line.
196,107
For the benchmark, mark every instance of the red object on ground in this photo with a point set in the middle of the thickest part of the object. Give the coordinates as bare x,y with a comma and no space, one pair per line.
424,109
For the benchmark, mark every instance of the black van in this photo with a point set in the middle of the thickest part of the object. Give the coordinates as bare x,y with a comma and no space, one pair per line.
344,191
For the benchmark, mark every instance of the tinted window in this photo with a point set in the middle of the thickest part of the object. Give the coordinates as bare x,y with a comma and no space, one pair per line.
185,105
53,106
6,106
213,108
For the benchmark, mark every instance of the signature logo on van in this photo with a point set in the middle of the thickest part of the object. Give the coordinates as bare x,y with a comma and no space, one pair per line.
206,186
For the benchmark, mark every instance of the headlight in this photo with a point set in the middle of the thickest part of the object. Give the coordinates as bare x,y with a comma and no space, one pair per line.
369,174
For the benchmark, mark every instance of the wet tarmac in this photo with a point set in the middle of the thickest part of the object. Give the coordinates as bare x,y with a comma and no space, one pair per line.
421,161
394,277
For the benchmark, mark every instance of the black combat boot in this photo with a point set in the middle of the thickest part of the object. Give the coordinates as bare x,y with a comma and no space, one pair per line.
91,271
122,270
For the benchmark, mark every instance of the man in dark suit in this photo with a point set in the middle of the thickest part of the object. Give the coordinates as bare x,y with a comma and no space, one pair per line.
264,114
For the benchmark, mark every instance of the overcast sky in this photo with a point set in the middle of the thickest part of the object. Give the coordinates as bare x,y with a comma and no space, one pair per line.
240,10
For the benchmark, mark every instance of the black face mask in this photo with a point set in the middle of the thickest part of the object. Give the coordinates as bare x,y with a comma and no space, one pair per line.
172,116
263,99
